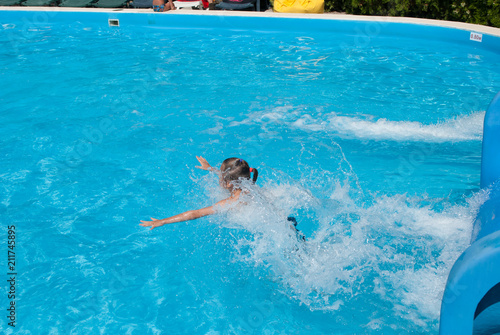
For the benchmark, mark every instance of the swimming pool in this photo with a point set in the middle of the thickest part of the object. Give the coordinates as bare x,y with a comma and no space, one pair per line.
369,134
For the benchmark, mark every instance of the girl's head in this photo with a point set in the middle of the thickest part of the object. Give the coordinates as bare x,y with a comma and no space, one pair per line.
232,169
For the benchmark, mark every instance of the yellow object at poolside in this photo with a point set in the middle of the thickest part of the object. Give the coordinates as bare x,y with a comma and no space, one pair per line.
299,6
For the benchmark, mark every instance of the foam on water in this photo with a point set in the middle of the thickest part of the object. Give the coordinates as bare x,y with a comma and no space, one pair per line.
367,127
461,128
382,250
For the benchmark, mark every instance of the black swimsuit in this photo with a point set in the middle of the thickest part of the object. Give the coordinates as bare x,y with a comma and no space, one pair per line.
300,236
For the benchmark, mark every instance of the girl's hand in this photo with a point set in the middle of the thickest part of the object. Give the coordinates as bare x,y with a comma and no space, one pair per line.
204,164
153,224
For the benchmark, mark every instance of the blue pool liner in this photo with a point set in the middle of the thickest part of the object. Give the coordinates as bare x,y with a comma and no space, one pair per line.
490,163
362,30
473,287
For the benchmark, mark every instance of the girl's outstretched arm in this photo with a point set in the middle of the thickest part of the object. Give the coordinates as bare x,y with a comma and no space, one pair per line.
191,215
186,216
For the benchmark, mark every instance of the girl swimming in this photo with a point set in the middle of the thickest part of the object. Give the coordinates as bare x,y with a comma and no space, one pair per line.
232,172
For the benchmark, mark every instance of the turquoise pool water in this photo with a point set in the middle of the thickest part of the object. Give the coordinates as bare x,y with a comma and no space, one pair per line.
370,139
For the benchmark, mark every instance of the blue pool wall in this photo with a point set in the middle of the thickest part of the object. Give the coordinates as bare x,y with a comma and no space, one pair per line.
490,162
362,31
473,288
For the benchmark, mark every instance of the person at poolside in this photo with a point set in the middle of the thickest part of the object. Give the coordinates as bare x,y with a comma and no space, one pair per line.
162,5
232,172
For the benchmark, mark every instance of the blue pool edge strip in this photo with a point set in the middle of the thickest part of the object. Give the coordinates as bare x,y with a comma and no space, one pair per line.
361,28
269,14
473,286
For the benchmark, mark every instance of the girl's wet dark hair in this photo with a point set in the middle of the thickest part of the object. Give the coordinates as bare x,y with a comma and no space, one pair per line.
236,168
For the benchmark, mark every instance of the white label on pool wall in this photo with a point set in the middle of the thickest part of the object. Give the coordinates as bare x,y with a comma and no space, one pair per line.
476,37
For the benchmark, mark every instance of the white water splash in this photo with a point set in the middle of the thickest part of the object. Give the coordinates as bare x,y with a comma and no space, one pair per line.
457,129
462,128
391,250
